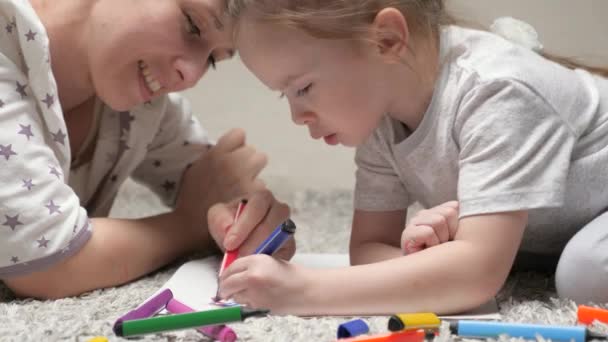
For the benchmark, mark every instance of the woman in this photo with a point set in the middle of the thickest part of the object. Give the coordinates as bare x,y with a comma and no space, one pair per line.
86,101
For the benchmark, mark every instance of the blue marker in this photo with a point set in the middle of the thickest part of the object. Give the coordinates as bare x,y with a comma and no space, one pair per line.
478,329
277,238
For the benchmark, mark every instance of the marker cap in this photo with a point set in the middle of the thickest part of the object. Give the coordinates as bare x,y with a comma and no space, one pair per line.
424,320
352,328
587,314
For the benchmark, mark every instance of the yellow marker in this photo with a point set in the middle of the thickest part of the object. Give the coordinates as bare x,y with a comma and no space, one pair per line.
98,339
424,320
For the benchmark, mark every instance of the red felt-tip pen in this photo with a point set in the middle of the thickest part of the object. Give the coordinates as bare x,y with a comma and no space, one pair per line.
230,256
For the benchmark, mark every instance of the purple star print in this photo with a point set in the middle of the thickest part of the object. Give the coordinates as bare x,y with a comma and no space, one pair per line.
26,130
43,243
59,137
9,28
49,100
168,185
122,147
7,151
53,208
21,89
125,120
14,260
28,183
31,35
1,103
12,222
55,172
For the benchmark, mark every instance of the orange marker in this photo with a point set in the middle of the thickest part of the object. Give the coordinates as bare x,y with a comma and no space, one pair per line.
402,336
230,256
587,314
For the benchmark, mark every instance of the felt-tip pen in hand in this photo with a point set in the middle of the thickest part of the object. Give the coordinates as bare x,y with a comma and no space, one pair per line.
184,321
479,329
277,238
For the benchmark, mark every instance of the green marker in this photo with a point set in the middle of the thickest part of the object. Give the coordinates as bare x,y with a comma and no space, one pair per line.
184,321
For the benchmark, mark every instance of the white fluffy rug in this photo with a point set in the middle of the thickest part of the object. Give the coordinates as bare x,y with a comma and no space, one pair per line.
323,225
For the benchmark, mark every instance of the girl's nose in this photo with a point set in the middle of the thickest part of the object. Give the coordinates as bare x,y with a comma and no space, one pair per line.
301,116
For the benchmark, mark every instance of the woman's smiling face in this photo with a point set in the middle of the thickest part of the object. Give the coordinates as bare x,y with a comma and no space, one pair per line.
140,49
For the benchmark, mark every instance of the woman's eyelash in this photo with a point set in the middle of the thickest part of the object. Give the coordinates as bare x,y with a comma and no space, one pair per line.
192,28
212,61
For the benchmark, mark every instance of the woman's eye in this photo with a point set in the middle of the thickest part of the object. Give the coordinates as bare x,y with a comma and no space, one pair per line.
304,91
192,28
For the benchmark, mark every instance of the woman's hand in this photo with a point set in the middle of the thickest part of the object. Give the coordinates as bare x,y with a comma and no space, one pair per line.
228,169
430,227
260,217
261,281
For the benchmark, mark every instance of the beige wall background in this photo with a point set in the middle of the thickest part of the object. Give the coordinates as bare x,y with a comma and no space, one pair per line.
231,97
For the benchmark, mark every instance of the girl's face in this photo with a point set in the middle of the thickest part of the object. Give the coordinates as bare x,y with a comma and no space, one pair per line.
334,87
140,49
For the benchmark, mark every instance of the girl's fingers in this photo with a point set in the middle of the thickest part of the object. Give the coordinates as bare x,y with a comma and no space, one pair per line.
417,238
233,284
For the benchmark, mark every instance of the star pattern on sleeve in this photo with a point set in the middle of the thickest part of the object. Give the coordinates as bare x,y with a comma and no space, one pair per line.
43,242
21,89
49,100
7,151
12,222
31,35
59,137
26,131
11,25
53,208
28,183
55,172
14,259
168,185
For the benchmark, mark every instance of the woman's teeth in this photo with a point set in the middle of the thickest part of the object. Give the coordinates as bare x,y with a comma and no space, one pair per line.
151,82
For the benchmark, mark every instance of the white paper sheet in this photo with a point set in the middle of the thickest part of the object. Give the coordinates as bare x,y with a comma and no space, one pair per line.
195,282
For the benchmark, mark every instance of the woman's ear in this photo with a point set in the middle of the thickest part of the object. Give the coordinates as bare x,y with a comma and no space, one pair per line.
391,34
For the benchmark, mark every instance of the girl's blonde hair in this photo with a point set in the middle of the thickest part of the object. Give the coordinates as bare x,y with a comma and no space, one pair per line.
351,19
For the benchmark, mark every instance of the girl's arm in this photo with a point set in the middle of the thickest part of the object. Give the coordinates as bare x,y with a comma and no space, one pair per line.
376,236
452,277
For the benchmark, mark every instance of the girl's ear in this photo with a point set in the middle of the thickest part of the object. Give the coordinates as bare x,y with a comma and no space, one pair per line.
391,34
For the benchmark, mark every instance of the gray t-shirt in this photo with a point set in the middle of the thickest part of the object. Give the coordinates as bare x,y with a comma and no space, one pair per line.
506,130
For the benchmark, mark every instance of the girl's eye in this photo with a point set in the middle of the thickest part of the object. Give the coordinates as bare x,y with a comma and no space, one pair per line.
192,28
303,91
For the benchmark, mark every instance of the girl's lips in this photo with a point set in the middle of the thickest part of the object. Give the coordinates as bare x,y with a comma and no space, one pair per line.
331,139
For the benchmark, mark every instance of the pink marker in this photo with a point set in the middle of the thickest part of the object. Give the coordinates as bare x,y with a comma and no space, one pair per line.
222,333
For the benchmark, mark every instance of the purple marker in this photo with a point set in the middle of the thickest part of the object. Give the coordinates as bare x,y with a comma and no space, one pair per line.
222,333
150,308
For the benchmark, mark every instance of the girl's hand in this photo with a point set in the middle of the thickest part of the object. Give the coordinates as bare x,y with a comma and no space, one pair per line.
260,217
430,227
261,281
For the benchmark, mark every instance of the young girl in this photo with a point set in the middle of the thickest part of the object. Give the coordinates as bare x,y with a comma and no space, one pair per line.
85,103
438,114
